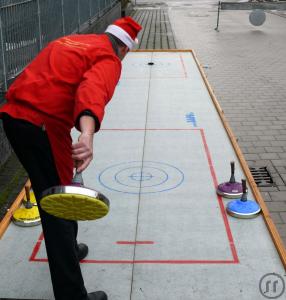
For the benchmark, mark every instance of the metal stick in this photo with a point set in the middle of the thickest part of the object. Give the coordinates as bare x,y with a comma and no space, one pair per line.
77,179
28,203
244,190
232,178
78,16
63,17
218,11
39,25
3,52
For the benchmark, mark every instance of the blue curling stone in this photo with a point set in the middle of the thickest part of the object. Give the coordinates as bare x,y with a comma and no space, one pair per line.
243,209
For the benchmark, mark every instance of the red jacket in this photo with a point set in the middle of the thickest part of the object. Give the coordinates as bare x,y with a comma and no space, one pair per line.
72,74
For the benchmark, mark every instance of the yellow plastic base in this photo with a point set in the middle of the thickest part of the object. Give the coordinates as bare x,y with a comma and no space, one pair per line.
27,216
74,207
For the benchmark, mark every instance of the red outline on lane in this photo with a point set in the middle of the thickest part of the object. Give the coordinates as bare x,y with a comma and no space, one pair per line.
151,129
223,213
134,242
185,74
183,65
37,248
173,262
215,182
153,78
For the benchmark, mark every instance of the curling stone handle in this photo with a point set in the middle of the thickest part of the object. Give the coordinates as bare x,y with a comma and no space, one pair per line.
27,191
28,203
244,190
232,178
77,179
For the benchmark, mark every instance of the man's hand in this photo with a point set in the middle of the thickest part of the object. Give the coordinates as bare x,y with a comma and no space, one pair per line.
82,151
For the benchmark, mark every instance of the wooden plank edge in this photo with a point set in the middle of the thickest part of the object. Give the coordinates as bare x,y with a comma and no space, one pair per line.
265,212
8,216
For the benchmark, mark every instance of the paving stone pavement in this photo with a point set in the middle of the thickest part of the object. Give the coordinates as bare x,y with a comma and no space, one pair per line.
246,68
157,32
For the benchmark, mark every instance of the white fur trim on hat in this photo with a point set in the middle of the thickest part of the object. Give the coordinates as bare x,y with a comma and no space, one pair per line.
121,34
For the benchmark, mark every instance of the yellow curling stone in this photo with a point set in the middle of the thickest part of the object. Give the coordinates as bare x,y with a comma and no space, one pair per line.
74,203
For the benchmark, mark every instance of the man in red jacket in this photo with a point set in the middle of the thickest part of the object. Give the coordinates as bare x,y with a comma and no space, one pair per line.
68,84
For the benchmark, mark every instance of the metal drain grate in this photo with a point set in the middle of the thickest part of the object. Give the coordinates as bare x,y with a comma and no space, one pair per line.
261,176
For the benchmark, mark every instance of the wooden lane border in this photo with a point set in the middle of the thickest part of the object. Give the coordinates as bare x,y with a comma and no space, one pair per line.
8,216
257,195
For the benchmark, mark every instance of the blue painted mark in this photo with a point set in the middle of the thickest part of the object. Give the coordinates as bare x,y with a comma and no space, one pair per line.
141,176
159,180
191,118
163,178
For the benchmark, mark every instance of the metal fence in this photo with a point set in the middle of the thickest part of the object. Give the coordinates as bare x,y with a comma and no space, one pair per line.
27,26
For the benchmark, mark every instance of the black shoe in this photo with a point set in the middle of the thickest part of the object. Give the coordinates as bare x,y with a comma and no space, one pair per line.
82,251
99,295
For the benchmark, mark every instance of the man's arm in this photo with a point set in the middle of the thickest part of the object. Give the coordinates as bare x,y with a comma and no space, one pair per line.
82,151
97,88
93,93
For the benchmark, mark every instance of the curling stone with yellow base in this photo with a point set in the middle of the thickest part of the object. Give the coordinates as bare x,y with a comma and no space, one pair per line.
74,202
28,215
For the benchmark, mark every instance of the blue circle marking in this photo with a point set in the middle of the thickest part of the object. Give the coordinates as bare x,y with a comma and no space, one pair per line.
120,177
141,176
131,178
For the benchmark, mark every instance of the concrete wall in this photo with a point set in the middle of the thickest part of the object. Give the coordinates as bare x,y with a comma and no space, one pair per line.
97,27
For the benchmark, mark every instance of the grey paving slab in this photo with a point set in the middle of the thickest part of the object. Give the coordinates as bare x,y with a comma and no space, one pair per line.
157,31
278,217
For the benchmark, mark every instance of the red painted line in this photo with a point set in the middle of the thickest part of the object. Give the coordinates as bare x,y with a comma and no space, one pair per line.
135,242
36,248
154,77
150,129
215,182
183,65
226,223
39,260
175,262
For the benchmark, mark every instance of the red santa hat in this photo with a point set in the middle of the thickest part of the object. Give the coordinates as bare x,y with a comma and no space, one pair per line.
125,29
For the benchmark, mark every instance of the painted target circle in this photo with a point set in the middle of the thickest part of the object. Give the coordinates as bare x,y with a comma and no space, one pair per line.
132,178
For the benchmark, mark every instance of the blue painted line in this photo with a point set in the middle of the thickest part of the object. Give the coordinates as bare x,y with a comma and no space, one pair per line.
166,177
141,176
191,118
142,192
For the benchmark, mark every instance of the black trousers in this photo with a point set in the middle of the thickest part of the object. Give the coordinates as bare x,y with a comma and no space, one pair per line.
32,146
